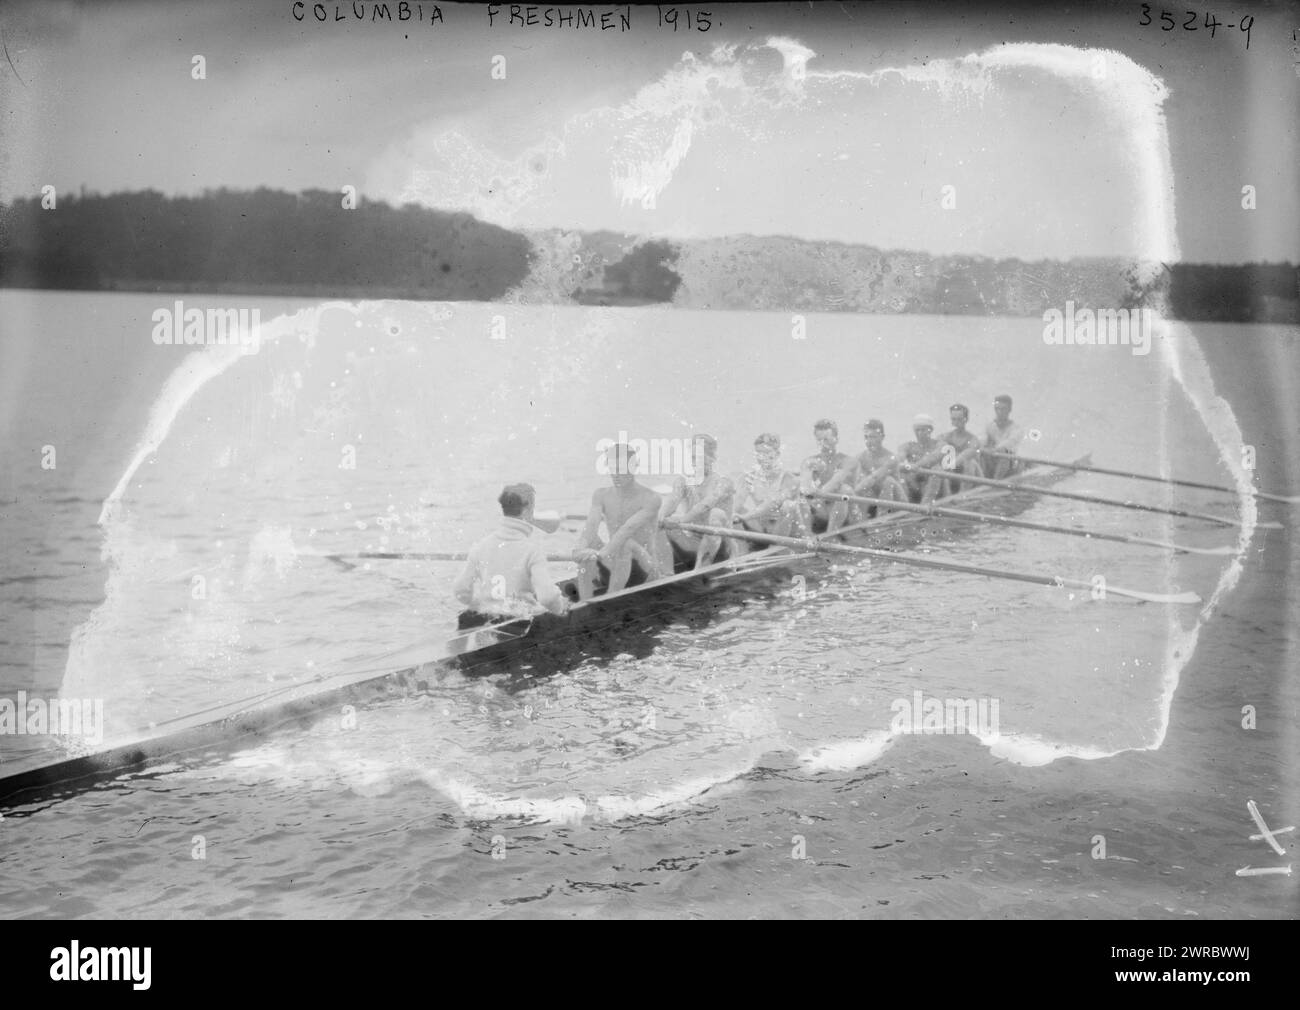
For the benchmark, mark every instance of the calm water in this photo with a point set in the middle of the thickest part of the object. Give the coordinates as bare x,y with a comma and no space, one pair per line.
680,780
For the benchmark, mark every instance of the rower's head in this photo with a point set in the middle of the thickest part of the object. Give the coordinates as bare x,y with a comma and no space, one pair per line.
827,434
923,427
874,434
517,501
959,414
767,450
1002,407
704,450
621,461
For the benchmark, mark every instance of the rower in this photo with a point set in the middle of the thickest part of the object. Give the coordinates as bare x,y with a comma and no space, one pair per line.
506,573
706,496
767,499
923,450
965,457
873,472
1002,435
630,512
816,472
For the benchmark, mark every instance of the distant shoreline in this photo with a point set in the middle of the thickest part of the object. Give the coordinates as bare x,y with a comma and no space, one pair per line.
269,243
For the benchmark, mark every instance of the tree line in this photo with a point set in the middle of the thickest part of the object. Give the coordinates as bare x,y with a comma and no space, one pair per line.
270,241
260,241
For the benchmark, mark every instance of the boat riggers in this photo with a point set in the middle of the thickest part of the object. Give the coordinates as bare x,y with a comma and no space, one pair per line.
825,546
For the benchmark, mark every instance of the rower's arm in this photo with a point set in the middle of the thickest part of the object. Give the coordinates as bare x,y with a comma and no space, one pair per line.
848,472
930,458
878,473
971,449
647,514
805,476
722,488
1008,441
746,500
766,506
544,588
672,499
589,536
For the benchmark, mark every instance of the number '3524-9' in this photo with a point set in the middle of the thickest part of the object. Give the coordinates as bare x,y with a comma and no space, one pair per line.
1192,21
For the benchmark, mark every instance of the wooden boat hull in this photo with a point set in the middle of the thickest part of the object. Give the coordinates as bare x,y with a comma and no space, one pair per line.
612,624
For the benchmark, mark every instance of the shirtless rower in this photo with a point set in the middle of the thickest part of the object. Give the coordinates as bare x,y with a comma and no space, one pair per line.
1002,435
630,512
965,457
957,450
767,496
921,451
873,473
815,473
705,497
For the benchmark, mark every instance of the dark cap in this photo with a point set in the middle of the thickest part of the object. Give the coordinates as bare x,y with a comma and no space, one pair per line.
1002,398
874,424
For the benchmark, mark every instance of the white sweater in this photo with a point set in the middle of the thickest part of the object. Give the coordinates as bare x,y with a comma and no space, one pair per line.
507,573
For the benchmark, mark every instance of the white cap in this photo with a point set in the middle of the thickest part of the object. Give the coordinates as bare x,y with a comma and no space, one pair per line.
923,420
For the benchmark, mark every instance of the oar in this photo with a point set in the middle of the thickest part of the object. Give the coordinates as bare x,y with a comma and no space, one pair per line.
966,478
1293,499
1024,524
547,522
411,556
804,544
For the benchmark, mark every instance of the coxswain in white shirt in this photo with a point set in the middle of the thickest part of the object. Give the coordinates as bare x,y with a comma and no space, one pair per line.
506,573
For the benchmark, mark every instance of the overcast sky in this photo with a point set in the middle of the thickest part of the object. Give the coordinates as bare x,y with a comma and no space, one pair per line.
840,121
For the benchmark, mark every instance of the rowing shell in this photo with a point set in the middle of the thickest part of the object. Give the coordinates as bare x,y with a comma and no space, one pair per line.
212,734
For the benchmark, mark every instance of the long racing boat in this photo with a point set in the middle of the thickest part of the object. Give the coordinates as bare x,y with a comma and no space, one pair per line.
517,646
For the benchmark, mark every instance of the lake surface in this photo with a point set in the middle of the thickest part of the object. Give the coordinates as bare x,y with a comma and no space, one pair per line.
164,565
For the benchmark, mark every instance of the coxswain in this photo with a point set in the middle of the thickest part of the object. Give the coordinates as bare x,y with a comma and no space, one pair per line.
506,573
